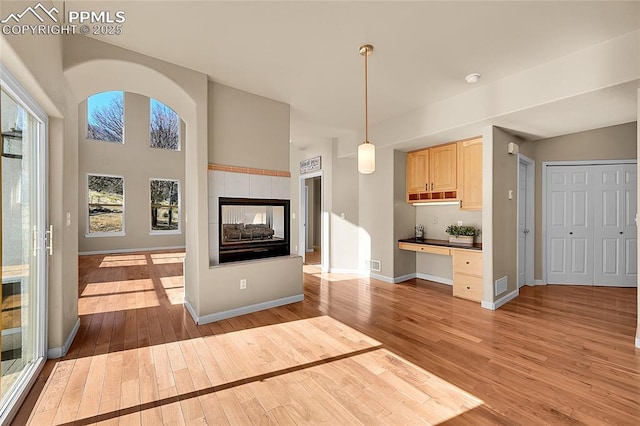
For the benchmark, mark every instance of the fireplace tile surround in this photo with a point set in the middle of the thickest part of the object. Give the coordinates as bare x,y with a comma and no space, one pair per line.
242,183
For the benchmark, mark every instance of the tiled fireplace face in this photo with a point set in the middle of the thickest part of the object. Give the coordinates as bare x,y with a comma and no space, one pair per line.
239,185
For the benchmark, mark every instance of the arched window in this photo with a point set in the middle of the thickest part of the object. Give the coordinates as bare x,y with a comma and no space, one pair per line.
164,127
105,117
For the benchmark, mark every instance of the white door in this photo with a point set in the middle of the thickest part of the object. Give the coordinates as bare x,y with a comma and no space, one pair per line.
615,230
522,224
569,225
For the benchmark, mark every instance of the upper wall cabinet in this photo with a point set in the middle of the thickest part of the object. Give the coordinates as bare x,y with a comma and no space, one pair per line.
470,174
443,167
432,174
417,171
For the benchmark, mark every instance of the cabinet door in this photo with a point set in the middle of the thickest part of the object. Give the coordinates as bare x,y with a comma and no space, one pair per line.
442,168
470,164
417,171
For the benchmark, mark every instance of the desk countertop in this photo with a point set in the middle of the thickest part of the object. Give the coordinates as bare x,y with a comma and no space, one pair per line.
442,243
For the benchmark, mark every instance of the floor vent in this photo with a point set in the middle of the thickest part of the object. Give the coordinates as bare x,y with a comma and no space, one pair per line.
501,285
374,265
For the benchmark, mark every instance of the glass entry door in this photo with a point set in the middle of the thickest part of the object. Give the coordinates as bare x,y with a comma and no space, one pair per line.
23,252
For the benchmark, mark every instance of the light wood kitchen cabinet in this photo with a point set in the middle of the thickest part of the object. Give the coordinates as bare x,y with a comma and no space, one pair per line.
432,174
467,274
443,167
417,171
470,174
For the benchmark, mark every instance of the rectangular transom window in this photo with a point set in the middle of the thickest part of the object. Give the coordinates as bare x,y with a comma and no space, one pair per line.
105,117
164,127
165,205
105,205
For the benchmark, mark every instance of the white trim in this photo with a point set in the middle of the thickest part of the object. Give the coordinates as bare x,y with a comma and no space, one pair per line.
530,217
383,278
638,338
447,281
404,278
539,282
17,393
495,305
133,250
324,222
206,319
191,311
53,353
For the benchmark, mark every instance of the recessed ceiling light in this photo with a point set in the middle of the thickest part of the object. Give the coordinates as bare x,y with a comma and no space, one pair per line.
473,78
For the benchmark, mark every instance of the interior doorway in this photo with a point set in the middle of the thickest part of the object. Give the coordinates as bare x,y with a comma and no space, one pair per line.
526,219
312,220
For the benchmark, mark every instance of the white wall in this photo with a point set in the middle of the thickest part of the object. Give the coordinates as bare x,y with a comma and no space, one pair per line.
137,162
247,130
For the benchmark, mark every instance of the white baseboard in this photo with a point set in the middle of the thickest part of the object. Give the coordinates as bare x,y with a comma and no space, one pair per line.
85,253
381,278
206,319
191,311
638,337
53,353
495,305
404,278
539,282
433,278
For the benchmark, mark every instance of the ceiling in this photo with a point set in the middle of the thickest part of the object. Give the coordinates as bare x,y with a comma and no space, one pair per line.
306,53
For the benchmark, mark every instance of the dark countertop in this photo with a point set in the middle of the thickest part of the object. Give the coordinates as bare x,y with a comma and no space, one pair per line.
441,243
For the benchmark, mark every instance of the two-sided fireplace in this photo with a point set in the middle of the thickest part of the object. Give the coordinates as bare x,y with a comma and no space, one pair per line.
252,228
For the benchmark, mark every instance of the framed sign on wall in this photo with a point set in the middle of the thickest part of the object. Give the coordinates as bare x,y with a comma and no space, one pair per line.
310,165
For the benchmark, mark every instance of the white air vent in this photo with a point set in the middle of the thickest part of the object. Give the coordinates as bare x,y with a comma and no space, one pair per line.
373,265
501,285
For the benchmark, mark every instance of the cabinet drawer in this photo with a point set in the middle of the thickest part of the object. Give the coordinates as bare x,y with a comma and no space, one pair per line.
467,287
423,248
467,262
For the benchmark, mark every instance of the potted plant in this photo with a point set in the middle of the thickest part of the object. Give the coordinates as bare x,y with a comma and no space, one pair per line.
459,234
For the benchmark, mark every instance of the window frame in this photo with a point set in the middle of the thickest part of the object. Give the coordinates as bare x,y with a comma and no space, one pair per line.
179,148
168,231
88,232
124,121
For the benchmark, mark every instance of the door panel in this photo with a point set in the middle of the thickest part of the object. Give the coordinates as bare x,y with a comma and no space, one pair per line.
22,252
615,188
522,224
569,225
592,208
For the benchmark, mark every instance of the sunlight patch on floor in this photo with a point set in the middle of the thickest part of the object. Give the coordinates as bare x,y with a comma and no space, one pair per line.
166,258
306,371
123,260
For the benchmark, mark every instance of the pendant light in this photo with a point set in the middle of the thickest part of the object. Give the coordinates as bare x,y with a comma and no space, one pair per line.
366,150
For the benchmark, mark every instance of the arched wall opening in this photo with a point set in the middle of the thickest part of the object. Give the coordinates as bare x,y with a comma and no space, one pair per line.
100,75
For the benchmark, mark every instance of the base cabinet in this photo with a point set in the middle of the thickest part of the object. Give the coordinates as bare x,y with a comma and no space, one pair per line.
467,274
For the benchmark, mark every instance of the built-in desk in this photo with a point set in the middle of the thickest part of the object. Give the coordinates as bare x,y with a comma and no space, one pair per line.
467,263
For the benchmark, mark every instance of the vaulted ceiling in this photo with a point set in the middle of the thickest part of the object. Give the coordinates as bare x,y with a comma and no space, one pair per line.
306,54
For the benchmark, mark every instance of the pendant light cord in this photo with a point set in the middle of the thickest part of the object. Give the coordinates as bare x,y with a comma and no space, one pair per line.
366,97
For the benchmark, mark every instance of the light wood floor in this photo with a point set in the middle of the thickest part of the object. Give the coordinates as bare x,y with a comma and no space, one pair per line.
355,351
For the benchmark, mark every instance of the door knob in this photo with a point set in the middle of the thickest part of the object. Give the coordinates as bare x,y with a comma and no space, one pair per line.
570,233
621,232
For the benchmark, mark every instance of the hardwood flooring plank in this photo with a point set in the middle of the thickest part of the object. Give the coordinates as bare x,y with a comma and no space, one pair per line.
355,351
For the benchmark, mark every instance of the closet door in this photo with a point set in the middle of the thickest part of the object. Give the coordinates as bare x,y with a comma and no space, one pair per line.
615,229
569,210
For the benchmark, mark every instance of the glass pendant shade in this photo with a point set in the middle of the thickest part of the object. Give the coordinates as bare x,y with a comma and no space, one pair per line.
366,158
